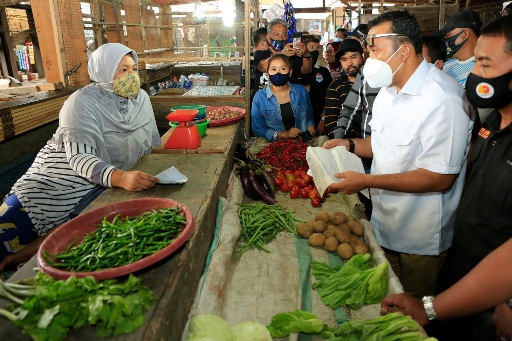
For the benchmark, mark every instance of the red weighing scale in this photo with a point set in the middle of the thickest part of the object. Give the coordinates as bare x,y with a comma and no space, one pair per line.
185,135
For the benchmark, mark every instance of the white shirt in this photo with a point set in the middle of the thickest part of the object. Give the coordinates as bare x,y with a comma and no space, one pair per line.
427,125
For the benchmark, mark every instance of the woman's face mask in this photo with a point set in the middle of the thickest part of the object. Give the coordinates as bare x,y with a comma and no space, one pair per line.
377,73
451,47
127,86
279,79
489,92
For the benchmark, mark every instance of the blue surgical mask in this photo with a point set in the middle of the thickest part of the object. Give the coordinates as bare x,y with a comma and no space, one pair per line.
277,44
451,47
279,79
338,40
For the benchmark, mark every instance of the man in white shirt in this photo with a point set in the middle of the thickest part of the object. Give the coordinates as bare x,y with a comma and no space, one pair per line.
420,138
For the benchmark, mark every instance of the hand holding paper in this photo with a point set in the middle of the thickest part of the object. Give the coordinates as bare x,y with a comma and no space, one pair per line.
353,182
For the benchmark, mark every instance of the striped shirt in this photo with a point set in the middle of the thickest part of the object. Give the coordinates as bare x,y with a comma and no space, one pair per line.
56,182
459,69
356,112
334,98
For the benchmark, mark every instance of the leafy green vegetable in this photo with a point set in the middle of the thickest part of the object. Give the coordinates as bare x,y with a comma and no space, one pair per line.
284,324
209,327
390,327
353,285
52,307
251,331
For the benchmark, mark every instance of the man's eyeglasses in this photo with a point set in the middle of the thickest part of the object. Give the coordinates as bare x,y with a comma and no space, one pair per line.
369,39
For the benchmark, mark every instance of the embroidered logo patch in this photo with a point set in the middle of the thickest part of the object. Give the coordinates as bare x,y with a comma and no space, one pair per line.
319,78
484,133
484,90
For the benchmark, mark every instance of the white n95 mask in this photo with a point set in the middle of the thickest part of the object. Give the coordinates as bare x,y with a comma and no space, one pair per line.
377,73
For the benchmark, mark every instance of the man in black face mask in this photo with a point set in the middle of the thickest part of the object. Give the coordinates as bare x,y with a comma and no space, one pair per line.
460,34
484,216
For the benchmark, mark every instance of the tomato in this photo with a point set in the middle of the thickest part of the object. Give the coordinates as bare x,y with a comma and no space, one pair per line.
313,194
278,181
309,187
288,171
304,192
294,193
301,174
280,174
290,177
284,187
295,186
307,178
315,202
326,194
301,182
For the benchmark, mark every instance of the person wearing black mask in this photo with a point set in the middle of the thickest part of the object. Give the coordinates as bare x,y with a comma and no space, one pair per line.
483,218
282,109
277,38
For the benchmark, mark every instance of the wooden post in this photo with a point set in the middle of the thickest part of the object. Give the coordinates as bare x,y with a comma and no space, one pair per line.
113,32
12,62
134,28
49,32
468,4
381,9
35,41
167,32
442,13
247,67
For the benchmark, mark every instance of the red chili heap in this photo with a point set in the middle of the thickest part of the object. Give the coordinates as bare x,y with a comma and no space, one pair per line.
285,154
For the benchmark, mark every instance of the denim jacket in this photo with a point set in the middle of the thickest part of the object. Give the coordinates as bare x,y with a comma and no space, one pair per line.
266,113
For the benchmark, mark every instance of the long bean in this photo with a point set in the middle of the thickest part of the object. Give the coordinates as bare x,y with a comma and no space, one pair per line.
260,224
121,241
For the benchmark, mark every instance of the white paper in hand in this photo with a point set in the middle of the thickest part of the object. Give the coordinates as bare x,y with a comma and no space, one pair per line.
171,176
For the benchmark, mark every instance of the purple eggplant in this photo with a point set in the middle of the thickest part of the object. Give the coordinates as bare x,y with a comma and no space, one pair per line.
247,183
258,188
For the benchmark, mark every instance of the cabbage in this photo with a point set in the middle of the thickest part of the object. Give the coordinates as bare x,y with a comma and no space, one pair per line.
251,331
209,327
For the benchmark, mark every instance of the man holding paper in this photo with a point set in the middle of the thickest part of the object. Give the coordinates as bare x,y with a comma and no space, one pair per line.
420,138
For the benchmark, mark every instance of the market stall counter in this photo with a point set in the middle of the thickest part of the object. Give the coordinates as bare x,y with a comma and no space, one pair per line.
173,280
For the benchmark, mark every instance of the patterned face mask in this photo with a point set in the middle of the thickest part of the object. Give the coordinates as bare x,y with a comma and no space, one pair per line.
127,86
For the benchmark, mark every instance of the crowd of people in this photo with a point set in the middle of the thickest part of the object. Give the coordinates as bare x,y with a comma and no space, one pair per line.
431,117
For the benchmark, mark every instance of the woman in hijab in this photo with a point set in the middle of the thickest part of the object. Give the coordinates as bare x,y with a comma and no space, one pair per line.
104,128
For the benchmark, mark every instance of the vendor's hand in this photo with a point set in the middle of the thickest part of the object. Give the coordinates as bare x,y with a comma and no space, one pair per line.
336,142
133,180
311,130
352,182
405,304
288,50
292,133
13,260
8,262
321,128
503,320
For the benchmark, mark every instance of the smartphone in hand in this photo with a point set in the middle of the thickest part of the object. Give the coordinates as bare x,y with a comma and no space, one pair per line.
296,38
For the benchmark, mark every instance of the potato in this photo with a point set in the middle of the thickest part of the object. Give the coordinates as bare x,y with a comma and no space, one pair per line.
304,230
356,228
338,218
320,226
329,232
311,223
353,237
350,218
317,239
343,235
322,216
345,251
359,247
331,244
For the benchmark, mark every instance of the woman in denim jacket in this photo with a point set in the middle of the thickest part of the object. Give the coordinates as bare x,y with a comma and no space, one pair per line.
283,109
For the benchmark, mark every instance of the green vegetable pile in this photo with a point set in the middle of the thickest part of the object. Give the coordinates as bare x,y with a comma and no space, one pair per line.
47,308
390,327
261,223
121,242
353,284
284,324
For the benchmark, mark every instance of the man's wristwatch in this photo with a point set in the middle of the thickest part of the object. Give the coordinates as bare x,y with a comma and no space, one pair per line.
429,307
275,136
351,146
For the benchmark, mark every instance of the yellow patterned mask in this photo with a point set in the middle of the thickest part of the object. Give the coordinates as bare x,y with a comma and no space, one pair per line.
127,86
